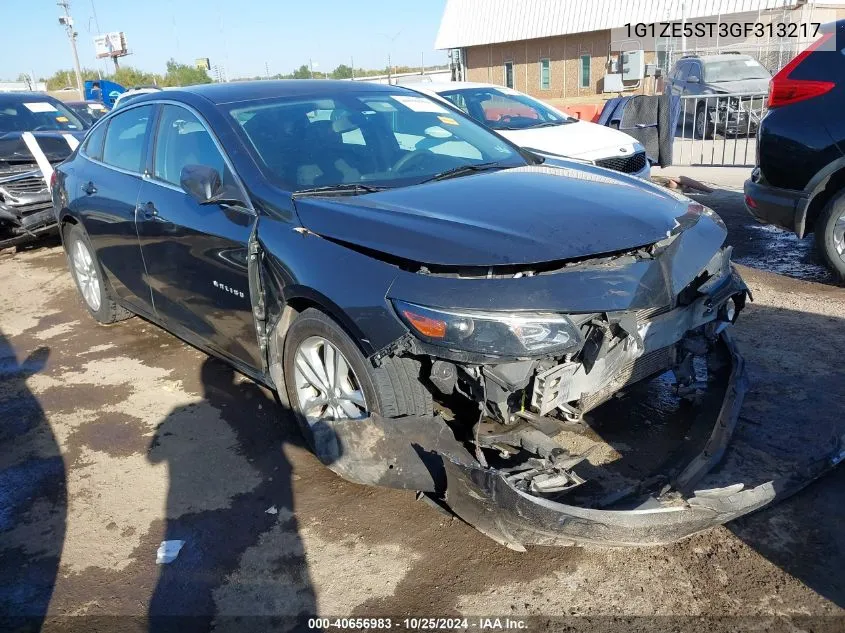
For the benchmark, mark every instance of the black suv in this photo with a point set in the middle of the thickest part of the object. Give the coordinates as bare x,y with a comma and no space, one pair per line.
799,181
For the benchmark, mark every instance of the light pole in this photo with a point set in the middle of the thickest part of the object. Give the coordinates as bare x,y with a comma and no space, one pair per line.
67,22
391,39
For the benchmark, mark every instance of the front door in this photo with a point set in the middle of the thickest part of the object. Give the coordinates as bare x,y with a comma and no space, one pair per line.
196,255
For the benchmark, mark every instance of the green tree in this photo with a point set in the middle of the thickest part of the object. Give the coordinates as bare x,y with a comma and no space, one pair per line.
342,72
184,75
67,78
127,76
303,72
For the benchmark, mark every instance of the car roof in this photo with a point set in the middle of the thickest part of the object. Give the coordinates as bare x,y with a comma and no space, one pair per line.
18,97
453,85
717,58
253,90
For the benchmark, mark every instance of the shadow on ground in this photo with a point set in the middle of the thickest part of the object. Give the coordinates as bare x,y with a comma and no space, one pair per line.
216,539
33,495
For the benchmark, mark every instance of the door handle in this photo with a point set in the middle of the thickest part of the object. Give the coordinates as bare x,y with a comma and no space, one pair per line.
149,211
89,188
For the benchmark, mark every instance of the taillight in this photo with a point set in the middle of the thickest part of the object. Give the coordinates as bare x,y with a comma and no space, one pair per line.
784,90
53,179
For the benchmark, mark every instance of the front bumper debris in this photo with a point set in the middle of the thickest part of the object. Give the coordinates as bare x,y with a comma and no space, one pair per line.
26,208
423,454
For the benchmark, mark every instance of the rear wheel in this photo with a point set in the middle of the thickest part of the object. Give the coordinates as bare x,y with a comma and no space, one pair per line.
328,379
830,235
92,285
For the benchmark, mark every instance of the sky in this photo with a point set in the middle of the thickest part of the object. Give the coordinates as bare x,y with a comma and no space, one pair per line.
242,35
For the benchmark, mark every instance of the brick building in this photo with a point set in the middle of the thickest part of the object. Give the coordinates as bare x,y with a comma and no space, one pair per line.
565,48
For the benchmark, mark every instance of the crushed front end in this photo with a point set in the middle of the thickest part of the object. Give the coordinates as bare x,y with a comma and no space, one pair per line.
26,207
531,439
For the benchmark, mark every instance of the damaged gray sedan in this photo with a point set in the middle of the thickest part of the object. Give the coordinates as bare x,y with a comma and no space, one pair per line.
442,311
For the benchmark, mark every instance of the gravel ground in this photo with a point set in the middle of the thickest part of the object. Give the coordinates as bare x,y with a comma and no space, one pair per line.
116,438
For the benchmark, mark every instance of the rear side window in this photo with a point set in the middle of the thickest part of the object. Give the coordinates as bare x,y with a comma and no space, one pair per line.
93,147
124,144
182,140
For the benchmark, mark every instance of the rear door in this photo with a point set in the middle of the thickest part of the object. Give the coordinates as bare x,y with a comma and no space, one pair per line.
196,255
109,181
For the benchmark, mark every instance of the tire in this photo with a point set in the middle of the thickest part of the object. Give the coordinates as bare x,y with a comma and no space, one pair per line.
702,128
390,390
830,235
97,295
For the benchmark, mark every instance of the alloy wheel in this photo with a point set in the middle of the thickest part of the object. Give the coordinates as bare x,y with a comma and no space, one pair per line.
86,275
839,235
326,386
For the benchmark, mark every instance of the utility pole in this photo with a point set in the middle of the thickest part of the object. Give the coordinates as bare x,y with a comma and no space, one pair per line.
352,61
67,22
311,67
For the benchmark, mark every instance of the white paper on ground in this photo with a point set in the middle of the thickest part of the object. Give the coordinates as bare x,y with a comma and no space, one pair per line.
168,551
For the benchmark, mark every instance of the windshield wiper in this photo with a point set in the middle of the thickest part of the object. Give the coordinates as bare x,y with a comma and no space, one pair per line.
550,124
464,170
354,188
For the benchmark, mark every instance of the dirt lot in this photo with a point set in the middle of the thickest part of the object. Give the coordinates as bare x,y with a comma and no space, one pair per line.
116,438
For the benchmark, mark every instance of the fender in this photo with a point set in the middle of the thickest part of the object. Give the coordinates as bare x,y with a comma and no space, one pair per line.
258,298
816,185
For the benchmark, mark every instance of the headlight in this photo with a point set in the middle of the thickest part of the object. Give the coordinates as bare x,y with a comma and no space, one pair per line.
498,333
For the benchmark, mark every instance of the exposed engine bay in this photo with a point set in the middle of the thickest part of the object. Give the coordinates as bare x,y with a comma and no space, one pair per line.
525,407
26,208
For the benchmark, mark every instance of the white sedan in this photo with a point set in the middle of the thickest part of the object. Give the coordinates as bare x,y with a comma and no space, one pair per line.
537,126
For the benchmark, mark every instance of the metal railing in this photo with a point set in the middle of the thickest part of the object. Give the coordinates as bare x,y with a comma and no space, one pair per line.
718,129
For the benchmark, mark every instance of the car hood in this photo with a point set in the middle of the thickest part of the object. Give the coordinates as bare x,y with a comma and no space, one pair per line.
741,86
14,153
578,140
524,215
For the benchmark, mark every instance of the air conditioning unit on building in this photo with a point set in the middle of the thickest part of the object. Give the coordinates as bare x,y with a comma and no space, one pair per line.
633,65
612,83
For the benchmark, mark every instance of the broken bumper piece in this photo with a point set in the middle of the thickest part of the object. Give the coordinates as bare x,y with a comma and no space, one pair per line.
423,454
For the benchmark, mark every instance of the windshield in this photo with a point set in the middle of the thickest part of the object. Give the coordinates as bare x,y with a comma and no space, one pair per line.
37,114
505,109
380,139
735,70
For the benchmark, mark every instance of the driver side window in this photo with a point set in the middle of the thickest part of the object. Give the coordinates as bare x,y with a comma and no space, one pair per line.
181,140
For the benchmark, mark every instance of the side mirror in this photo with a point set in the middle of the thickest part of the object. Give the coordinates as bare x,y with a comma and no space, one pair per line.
692,79
201,182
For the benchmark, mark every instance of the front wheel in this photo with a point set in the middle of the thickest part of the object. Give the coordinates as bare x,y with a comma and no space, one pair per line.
830,235
328,379
704,128
88,275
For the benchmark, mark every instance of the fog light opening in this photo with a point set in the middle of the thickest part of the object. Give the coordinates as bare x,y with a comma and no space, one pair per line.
729,311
